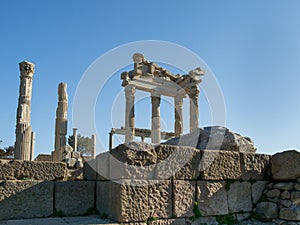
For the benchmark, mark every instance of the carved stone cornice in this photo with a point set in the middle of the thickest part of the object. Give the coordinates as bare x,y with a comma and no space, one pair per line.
27,69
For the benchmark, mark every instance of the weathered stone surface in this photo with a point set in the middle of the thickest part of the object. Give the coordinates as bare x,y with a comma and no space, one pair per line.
220,165
212,198
257,190
179,221
215,138
26,199
242,216
205,220
295,197
35,170
285,165
239,197
284,186
177,161
292,213
74,198
274,193
285,195
285,203
254,166
160,199
297,186
124,200
184,198
267,210
89,170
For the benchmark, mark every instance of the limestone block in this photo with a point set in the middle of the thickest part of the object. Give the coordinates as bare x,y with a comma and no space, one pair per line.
285,165
284,186
297,186
285,203
76,155
184,198
274,193
295,197
257,190
254,166
124,200
177,161
35,170
26,199
290,213
239,197
160,199
212,198
285,195
267,210
89,170
220,165
74,197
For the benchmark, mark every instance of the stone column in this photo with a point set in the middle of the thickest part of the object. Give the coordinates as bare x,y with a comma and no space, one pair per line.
32,146
75,143
94,146
129,113
155,131
61,123
178,115
23,144
111,134
194,108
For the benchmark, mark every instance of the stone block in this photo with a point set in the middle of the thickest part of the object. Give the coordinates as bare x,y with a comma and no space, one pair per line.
297,186
74,198
89,170
179,221
184,198
26,199
205,220
257,190
287,186
123,200
285,203
285,195
179,162
35,170
290,213
267,210
220,165
285,165
239,197
295,197
160,199
76,155
274,193
212,198
254,166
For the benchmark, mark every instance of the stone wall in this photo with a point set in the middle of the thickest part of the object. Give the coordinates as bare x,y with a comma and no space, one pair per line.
159,185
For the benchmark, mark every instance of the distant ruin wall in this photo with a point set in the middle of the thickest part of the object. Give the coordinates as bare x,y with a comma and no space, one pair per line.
210,188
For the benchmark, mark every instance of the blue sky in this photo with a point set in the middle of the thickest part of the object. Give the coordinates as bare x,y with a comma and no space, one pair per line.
253,48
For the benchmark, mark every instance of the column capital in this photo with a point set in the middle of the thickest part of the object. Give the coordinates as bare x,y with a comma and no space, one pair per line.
26,69
130,90
194,91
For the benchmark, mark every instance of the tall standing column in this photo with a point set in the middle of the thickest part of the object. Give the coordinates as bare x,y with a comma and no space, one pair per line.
61,122
129,114
94,146
155,132
178,115
23,144
75,140
194,108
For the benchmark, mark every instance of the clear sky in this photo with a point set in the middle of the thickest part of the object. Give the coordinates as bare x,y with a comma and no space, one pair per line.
253,48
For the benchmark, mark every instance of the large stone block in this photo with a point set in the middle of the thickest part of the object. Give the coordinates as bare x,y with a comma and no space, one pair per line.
220,165
26,199
179,221
35,170
290,213
160,199
267,210
179,162
285,165
295,197
74,198
124,200
184,198
254,166
212,198
257,190
239,197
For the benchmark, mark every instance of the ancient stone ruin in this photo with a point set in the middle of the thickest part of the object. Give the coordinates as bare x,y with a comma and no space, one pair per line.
209,176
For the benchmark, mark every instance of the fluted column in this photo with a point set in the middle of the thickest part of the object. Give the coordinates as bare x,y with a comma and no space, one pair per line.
23,144
178,115
155,131
75,140
129,113
194,108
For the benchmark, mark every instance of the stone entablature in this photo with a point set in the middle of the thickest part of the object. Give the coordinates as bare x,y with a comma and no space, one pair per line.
148,76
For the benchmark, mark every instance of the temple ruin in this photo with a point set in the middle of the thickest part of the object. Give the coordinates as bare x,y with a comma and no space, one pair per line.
148,76
24,145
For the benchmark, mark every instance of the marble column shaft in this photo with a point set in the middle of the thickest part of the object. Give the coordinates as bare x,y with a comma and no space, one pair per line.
155,131
129,113
194,108
178,115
